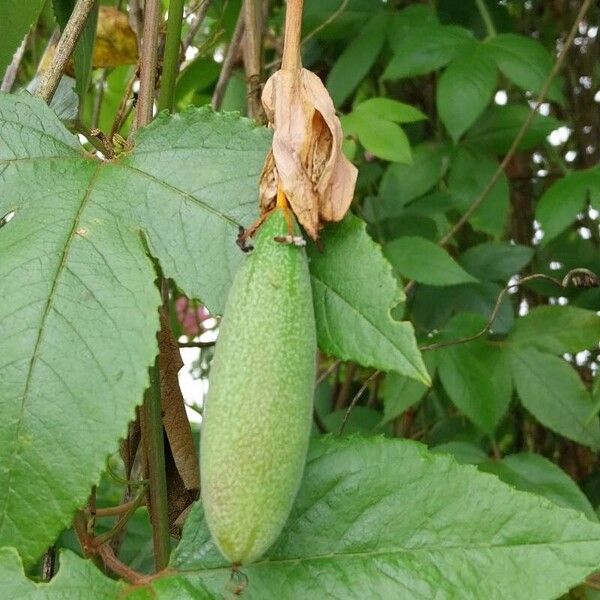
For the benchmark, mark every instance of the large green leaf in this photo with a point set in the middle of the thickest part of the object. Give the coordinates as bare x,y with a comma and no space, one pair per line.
381,518
77,579
561,202
357,59
495,261
551,390
426,48
353,291
470,172
476,375
534,473
403,183
465,88
419,259
558,329
79,310
17,18
497,128
525,62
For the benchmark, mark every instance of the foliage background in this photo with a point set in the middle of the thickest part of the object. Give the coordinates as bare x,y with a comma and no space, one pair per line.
432,96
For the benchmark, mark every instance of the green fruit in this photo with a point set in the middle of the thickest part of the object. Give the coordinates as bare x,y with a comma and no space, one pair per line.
258,411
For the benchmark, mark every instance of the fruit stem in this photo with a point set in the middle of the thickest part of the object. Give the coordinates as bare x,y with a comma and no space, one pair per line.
291,60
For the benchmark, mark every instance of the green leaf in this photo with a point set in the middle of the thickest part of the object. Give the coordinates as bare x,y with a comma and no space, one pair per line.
525,62
562,201
425,49
84,49
402,22
76,579
497,128
384,518
403,183
465,88
557,329
361,420
356,60
419,259
390,110
353,292
476,374
469,174
536,474
496,261
17,18
338,24
552,392
400,392
197,76
78,323
382,138
465,453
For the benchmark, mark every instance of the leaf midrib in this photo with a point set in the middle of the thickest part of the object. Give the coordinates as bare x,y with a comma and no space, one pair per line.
382,552
34,357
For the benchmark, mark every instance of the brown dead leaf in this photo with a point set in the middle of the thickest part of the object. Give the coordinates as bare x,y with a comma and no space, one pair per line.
175,421
306,160
115,43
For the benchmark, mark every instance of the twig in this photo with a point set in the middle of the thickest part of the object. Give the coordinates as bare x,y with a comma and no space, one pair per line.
568,279
228,63
252,51
340,9
12,70
113,511
100,88
325,374
193,30
523,130
148,63
124,108
291,61
486,17
64,49
119,568
170,67
356,398
127,514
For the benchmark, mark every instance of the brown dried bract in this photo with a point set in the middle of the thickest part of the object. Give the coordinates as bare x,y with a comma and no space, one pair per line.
306,160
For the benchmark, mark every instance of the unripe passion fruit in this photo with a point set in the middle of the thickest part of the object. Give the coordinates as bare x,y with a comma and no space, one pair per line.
258,409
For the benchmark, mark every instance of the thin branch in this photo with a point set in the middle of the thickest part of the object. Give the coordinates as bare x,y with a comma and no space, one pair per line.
113,511
170,68
64,49
291,60
356,398
486,17
340,9
12,70
228,63
325,374
524,128
98,98
252,51
148,63
570,279
196,344
119,568
193,30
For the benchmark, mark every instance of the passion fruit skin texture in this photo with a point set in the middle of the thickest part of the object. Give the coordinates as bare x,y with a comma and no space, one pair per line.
258,410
